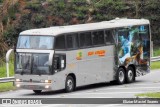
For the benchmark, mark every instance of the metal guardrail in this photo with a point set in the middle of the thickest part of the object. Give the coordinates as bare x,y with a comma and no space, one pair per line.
8,79
12,79
153,59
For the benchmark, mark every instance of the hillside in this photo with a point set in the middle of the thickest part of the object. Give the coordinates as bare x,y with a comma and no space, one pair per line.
19,15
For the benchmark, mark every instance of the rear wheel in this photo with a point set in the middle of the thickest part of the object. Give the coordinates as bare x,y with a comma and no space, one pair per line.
37,91
130,76
70,84
120,76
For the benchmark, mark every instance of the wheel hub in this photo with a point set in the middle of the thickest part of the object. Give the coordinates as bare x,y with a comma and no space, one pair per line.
121,76
69,84
130,75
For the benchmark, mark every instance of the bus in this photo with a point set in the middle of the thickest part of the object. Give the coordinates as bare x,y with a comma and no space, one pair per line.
66,57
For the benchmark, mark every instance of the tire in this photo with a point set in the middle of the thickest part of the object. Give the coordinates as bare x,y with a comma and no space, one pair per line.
120,76
69,84
130,75
37,91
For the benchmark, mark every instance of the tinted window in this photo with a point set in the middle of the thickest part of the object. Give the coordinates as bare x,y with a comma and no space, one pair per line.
35,42
72,41
109,37
60,42
85,39
98,38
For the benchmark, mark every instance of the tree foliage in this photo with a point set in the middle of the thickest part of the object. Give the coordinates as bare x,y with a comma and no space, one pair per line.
45,13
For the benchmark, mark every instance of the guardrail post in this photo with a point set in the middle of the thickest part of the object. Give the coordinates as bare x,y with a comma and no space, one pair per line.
7,60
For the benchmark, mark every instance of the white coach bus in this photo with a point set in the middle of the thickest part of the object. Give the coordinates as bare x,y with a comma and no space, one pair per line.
66,57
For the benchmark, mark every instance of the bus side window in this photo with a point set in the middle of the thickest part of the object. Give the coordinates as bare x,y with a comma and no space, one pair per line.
60,42
98,38
72,41
85,39
109,37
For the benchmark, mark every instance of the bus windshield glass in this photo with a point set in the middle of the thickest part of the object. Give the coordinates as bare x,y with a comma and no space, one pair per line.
35,42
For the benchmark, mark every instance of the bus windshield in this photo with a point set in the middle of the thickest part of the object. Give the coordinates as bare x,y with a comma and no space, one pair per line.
35,42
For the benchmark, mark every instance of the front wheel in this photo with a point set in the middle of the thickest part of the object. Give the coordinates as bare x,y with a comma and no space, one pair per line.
37,91
120,79
130,76
70,84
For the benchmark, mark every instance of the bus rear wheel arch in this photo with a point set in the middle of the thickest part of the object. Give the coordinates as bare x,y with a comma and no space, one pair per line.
70,83
130,74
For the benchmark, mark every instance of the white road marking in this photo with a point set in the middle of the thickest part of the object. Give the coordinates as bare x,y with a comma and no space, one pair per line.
54,105
109,93
18,105
26,105
149,84
110,105
115,88
119,88
106,93
99,97
71,105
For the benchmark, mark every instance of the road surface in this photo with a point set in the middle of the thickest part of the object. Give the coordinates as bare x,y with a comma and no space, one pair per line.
143,84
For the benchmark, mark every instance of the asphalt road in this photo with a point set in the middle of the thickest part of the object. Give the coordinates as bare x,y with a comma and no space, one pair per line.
143,84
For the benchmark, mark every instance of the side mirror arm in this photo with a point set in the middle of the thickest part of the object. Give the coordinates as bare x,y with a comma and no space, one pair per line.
7,60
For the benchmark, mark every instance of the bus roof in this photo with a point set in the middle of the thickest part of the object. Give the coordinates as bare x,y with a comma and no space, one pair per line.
53,31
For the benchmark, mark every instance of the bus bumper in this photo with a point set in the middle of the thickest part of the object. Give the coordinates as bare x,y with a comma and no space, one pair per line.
33,86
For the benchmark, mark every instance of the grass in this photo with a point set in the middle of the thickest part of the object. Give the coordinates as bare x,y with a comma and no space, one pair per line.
155,65
7,86
156,52
149,95
3,71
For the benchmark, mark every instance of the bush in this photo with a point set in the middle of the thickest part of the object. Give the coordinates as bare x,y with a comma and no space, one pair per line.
38,19
34,6
10,36
1,1
5,19
13,10
62,11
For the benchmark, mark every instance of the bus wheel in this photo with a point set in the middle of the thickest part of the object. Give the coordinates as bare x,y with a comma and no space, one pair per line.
69,85
120,76
130,77
37,91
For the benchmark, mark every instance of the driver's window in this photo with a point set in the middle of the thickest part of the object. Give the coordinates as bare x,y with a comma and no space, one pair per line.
59,62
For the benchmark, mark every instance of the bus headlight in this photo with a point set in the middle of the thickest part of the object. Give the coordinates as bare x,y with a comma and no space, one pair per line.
18,80
47,86
18,85
47,81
